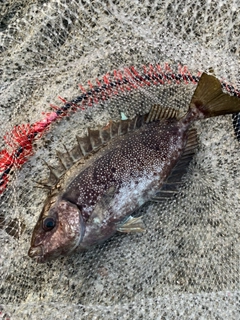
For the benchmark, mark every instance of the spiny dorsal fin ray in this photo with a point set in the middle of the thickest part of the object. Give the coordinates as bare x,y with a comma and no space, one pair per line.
174,180
105,133
95,138
42,185
84,144
124,127
54,174
65,158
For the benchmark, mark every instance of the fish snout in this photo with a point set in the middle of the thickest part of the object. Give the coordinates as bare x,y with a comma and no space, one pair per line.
36,252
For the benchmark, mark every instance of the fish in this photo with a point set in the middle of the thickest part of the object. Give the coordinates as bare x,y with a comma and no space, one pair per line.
111,172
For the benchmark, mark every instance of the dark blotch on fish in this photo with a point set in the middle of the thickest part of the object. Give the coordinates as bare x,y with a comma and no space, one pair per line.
112,172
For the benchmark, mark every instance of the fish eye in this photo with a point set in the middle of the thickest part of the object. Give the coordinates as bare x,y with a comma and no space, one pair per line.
49,224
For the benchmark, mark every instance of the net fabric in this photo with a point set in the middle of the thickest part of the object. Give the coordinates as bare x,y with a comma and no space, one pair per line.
187,263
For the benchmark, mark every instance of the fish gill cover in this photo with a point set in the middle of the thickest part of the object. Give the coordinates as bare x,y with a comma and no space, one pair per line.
126,56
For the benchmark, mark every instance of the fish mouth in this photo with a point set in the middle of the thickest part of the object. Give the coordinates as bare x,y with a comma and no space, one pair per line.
36,253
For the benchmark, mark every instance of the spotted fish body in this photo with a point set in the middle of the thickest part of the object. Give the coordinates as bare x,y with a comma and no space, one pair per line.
95,199
124,178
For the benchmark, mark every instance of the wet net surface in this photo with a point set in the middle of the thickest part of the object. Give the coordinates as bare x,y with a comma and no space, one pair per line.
186,266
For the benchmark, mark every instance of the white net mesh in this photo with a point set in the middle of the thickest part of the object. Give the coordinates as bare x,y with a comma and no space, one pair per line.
186,266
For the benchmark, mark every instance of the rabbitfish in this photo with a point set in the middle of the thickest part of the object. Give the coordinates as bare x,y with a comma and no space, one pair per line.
111,172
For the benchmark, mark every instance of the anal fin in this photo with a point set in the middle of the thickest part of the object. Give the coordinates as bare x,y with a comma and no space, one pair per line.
174,181
131,225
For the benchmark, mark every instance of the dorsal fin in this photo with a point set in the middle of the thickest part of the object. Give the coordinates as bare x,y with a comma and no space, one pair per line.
159,113
54,174
174,181
65,158
98,138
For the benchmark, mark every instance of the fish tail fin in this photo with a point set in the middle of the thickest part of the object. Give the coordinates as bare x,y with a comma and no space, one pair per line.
210,100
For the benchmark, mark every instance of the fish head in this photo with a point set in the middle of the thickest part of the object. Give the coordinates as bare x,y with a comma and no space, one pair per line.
59,230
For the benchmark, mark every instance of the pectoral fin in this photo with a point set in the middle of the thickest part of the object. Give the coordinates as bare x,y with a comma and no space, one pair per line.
132,225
